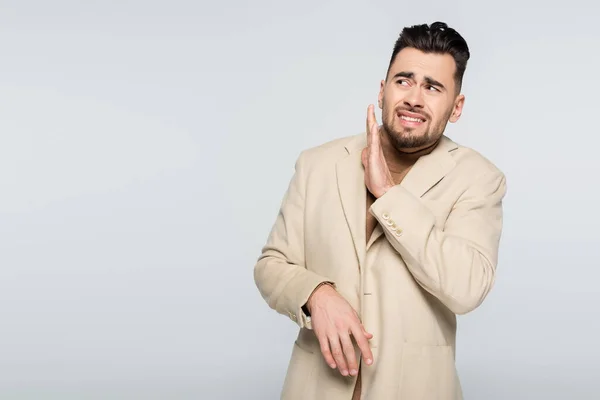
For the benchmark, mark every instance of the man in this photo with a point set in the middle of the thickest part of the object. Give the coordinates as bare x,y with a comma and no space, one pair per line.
384,237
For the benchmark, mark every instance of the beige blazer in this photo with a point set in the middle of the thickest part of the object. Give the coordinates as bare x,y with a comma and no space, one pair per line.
432,255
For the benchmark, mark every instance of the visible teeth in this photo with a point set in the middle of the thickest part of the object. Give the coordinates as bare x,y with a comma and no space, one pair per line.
411,119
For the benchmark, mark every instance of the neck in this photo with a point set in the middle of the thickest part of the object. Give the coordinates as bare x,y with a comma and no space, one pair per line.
400,160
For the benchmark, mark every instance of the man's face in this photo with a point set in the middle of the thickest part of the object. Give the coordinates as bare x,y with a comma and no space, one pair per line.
418,98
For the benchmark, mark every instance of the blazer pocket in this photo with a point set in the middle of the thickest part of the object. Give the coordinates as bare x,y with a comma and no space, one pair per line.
299,373
428,373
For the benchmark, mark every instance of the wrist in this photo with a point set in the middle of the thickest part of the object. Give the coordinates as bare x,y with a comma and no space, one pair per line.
385,189
314,295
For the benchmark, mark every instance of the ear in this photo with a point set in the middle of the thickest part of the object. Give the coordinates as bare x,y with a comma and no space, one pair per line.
380,97
458,107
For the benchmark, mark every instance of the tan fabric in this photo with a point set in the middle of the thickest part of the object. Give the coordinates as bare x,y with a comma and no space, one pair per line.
371,223
432,255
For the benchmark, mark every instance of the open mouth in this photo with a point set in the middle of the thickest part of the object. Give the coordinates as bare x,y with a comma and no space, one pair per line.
409,119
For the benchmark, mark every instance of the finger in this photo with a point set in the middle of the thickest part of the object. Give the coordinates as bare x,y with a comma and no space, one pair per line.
361,340
324,342
350,354
365,157
369,124
375,141
373,127
338,355
373,134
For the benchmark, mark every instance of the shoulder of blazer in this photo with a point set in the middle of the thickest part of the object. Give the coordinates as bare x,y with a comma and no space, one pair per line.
330,151
472,163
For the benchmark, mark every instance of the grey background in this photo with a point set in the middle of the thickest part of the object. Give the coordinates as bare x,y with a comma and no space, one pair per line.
145,147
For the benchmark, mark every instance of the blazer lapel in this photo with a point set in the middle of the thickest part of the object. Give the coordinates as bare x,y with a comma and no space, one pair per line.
353,194
424,175
430,169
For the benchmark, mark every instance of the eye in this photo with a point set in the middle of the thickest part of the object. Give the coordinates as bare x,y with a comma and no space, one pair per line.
402,81
433,88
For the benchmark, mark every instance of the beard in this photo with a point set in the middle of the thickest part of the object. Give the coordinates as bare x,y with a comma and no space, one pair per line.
411,138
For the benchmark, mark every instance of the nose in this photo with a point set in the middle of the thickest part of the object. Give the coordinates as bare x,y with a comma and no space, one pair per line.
414,97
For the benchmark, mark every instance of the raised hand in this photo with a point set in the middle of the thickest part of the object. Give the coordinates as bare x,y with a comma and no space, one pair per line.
333,321
378,178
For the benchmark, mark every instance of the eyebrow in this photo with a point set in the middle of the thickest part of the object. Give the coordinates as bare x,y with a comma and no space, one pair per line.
411,75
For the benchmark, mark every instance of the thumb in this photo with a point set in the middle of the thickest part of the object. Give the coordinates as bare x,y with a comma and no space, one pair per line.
364,157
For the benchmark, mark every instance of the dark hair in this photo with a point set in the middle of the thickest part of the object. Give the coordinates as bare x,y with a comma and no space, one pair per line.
436,38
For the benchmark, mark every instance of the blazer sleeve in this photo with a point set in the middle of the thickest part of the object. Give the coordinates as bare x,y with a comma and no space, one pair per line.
280,273
457,262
